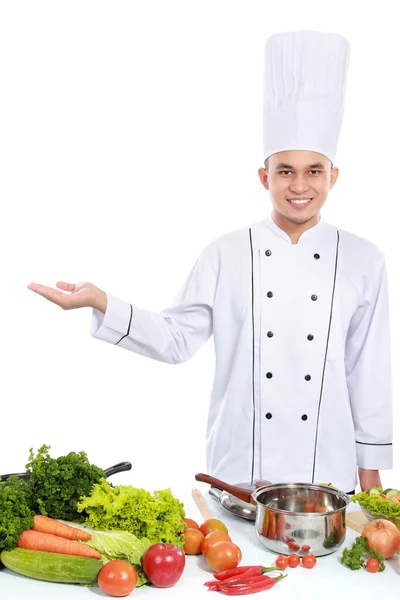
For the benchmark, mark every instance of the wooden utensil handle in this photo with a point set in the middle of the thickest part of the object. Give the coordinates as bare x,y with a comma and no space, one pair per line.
201,503
238,492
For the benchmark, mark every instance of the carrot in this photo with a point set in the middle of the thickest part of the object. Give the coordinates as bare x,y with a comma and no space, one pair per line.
48,525
47,542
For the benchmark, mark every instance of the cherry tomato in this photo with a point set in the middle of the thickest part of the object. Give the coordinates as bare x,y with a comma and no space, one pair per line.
212,538
294,560
223,555
296,547
305,548
192,541
291,544
117,578
309,561
212,525
372,565
282,562
192,524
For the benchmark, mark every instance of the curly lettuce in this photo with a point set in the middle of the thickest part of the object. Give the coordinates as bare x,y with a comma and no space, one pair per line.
157,517
377,505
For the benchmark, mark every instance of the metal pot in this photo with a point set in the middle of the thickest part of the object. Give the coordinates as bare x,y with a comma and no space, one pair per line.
301,514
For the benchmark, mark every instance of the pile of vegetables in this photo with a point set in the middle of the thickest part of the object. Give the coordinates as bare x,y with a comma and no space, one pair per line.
128,522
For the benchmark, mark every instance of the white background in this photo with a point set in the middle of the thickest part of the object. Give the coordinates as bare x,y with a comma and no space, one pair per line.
130,137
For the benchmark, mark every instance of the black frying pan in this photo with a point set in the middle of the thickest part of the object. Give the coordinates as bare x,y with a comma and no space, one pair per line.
118,468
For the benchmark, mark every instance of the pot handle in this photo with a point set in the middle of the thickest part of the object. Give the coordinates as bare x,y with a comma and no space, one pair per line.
226,487
118,468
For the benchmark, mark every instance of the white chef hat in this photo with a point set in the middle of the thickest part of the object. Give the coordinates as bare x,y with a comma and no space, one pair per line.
304,91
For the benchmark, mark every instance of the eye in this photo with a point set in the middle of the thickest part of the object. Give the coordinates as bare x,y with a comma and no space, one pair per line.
315,171
284,172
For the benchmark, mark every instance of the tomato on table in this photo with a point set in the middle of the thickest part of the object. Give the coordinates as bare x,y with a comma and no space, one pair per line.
223,556
309,561
117,578
193,539
294,560
191,523
210,525
282,562
372,565
212,538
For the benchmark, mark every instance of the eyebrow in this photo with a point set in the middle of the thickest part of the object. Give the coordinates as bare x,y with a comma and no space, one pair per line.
317,165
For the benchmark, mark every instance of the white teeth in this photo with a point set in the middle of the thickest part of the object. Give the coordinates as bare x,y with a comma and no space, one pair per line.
300,201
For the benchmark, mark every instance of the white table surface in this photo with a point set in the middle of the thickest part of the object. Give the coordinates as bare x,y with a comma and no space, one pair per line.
329,579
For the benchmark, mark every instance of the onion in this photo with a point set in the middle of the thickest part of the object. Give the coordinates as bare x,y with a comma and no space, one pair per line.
383,536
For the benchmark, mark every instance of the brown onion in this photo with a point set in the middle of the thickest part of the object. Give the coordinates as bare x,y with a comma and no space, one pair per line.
383,536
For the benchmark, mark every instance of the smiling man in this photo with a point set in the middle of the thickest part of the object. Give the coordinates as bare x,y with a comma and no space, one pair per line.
298,308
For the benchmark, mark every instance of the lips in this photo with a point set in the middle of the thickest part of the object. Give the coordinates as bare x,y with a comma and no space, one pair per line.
299,203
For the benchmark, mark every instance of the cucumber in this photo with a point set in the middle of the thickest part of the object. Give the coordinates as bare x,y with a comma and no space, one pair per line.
374,492
390,492
51,566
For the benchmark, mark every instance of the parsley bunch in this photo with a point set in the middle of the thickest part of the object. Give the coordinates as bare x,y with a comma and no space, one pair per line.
15,514
353,559
56,484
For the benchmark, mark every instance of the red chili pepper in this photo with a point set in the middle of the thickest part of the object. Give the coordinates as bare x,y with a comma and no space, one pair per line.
222,575
252,572
246,580
249,588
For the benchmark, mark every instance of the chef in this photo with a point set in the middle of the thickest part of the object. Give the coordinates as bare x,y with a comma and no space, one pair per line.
298,308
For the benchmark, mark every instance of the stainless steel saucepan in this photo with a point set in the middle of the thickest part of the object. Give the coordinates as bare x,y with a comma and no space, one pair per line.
289,517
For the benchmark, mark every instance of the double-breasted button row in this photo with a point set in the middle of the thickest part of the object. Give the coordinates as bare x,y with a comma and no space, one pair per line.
310,336
269,416
269,375
269,252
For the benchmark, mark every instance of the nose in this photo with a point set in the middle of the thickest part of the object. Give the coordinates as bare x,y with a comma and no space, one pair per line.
299,185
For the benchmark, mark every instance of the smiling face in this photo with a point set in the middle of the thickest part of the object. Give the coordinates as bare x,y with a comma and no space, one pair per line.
298,182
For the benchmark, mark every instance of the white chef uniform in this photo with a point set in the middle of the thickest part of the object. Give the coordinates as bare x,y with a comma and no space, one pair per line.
302,388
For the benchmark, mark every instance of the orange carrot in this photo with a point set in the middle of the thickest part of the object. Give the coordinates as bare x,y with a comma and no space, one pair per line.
46,542
48,525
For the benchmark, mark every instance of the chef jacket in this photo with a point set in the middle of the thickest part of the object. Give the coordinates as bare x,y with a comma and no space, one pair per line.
302,386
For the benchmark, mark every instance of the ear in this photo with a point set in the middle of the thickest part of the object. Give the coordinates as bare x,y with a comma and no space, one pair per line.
263,176
334,176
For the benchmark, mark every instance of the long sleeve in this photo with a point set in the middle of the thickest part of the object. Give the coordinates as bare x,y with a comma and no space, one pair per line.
368,370
175,334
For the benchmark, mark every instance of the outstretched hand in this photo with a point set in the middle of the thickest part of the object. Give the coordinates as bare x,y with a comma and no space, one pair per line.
78,295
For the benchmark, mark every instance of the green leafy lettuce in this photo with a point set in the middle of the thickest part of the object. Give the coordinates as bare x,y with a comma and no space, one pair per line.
121,545
377,505
15,514
56,484
157,517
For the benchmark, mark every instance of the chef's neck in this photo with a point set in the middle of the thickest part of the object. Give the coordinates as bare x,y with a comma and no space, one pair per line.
294,230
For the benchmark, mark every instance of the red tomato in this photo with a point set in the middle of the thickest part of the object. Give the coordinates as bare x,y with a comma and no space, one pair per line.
193,540
212,538
372,565
163,564
295,547
190,523
117,578
309,561
294,560
282,562
223,556
305,548
212,525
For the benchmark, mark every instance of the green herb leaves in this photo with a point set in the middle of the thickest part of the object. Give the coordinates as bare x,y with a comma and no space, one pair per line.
353,559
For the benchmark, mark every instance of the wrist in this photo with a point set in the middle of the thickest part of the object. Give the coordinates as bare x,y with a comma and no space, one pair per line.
101,301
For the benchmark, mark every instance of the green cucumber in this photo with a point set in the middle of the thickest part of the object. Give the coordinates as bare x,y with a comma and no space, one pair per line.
390,492
51,566
374,492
